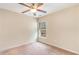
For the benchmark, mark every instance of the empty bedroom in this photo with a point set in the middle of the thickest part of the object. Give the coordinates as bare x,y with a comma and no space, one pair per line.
39,28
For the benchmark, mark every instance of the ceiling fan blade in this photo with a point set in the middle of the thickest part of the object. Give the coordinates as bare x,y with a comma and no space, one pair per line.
25,5
25,11
33,4
41,11
39,4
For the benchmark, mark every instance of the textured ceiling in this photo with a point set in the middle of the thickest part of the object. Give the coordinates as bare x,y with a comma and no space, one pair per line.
49,7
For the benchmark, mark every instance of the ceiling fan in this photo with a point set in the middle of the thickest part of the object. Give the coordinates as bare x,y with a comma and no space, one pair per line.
33,7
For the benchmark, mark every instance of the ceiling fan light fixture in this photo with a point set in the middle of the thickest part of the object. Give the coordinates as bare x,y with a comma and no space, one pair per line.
33,10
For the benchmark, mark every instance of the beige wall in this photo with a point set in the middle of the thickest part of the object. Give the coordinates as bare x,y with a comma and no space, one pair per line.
15,29
63,29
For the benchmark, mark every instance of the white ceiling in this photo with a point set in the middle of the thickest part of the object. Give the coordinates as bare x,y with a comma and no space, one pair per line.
49,7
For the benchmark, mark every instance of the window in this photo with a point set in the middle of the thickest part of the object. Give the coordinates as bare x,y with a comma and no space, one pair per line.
42,29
